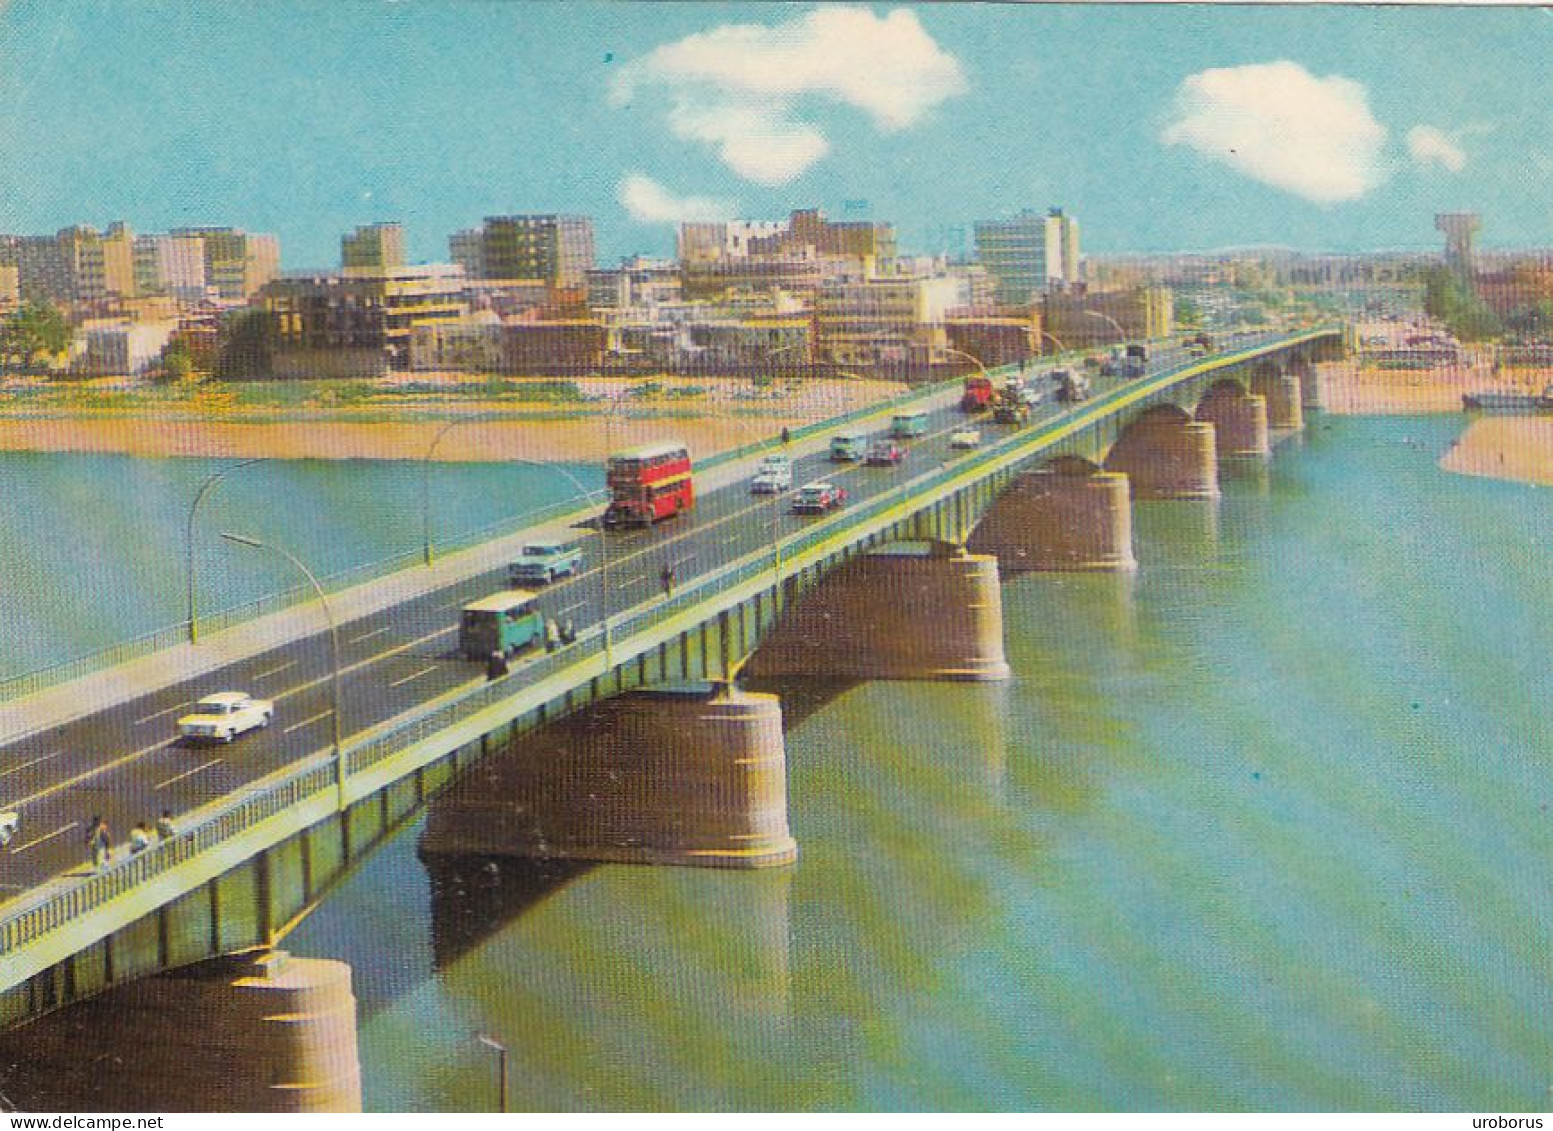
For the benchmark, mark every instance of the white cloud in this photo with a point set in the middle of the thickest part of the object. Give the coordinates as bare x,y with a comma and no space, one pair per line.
649,202
1426,144
741,87
1281,125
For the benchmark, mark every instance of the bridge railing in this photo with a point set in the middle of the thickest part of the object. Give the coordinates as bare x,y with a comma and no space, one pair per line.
317,774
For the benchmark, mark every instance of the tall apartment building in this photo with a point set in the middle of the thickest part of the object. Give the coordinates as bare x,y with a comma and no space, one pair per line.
554,248
1029,253
373,247
75,265
237,263
170,265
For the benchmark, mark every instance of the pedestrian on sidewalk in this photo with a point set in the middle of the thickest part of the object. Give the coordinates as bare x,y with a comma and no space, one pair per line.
139,838
99,840
552,634
569,632
496,667
165,829
667,578
787,436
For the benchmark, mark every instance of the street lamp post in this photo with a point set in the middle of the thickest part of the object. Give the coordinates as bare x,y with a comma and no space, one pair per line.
1061,349
501,1068
188,537
426,484
970,357
1121,335
334,652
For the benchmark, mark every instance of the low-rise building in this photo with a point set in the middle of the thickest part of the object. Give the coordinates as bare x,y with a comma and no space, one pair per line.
1081,318
115,349
336,324
892,321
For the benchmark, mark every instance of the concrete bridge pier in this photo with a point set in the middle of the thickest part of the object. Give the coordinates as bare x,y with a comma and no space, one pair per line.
1165,454
1069,515
693,775
1239,421
257,1032
905,611
1285,401
1310,385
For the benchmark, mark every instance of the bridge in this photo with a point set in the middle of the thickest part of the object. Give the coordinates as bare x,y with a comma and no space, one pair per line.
633,743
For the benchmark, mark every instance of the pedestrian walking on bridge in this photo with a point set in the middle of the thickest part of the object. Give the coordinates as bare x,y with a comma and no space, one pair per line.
99,841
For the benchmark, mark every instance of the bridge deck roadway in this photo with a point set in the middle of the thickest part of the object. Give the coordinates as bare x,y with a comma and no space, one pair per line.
104,744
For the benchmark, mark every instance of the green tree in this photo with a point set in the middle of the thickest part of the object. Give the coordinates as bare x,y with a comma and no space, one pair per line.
245,346
1188,311
177,361
1448,298
38,329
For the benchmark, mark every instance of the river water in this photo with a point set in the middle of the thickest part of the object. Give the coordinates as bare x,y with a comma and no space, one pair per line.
1266,826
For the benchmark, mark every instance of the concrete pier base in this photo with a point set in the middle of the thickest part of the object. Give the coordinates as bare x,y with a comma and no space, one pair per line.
1165,454
1239,422
1067,516
262,1032
669,776
916,611
1285,408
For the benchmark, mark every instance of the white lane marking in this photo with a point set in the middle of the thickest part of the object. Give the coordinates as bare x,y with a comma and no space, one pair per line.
113,765
20,848
573,605
369,635
306,722
630,581
367,663
272,671
168,711
186,774
416,675
34,762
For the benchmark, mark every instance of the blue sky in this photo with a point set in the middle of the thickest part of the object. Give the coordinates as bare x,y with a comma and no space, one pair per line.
1159,127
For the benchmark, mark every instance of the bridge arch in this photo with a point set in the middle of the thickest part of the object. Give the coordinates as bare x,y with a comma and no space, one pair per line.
1167,454
1239,419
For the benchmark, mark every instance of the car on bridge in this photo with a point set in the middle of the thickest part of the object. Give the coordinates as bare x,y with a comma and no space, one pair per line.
505,622
542,562
884,453
774,476
225,715
965,438
818,498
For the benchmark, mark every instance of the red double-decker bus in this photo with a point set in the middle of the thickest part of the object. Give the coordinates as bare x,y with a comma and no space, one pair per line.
648,483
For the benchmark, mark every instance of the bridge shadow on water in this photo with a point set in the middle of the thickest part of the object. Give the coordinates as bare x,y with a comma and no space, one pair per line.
474,897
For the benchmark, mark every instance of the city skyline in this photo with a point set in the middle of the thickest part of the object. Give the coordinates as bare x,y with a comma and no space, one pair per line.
1153,125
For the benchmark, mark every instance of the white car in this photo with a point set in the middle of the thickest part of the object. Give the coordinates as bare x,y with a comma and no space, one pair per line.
965,438
774,477
225,715
10,821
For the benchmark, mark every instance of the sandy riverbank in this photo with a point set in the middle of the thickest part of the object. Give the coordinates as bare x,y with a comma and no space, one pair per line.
1505,447
1518,448
583,432
1353,390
